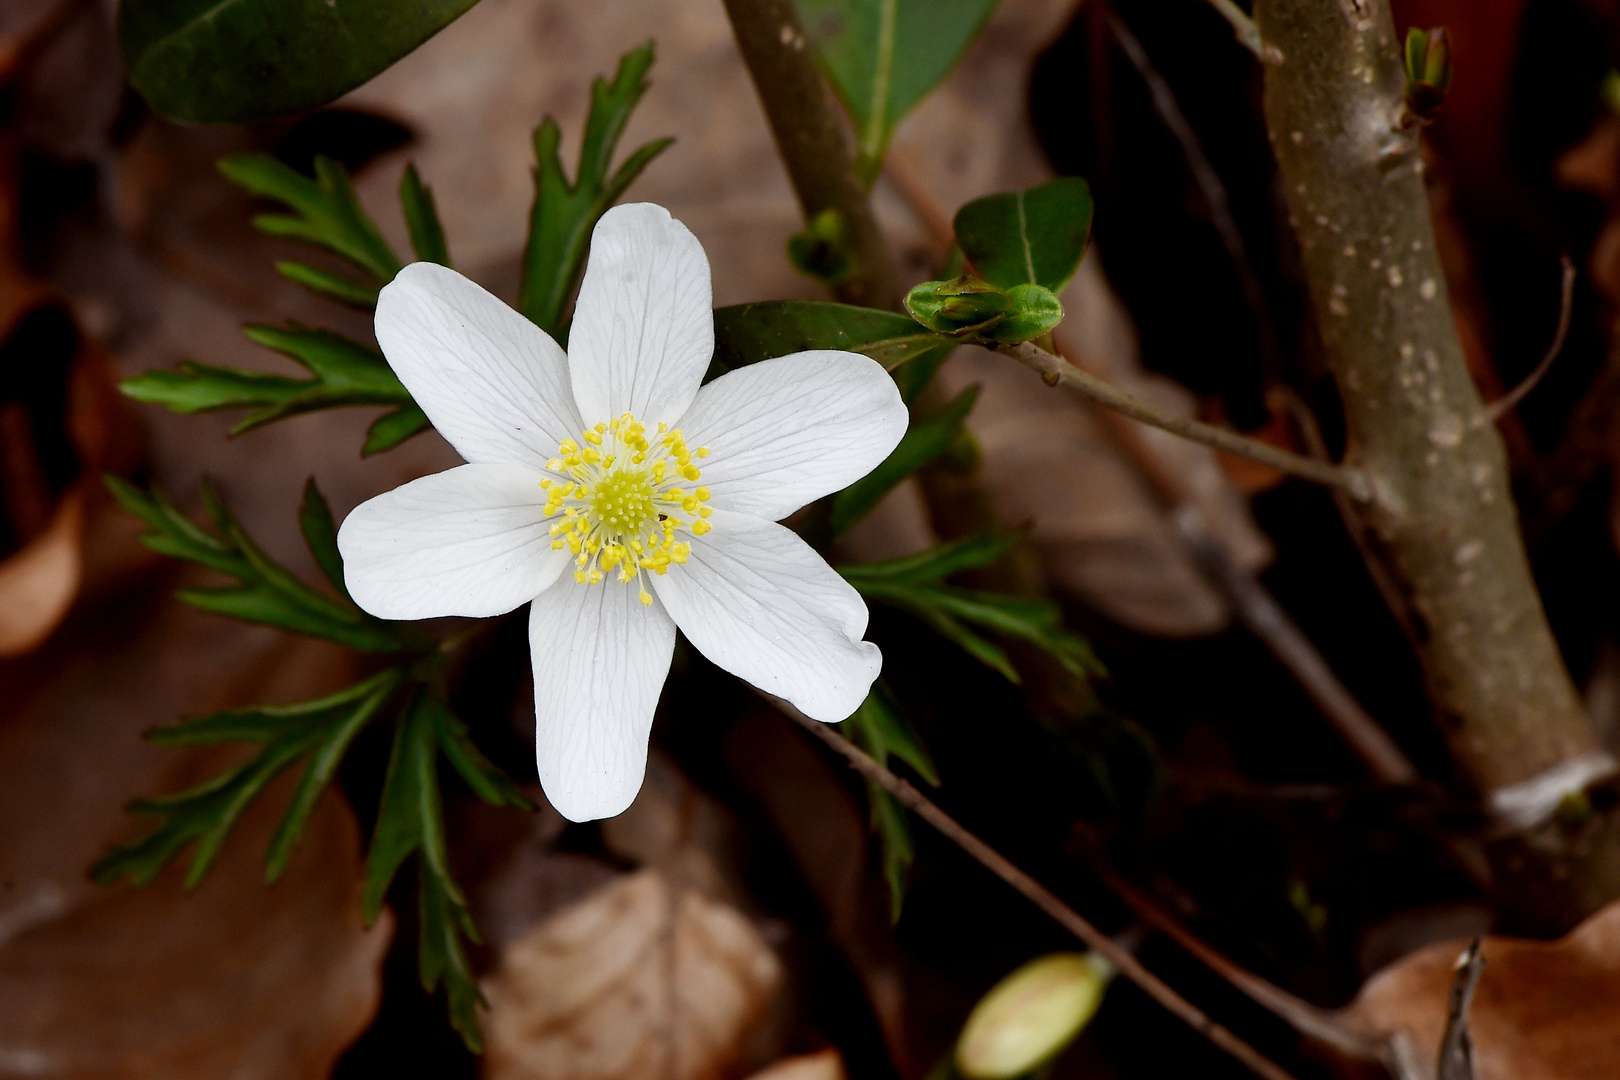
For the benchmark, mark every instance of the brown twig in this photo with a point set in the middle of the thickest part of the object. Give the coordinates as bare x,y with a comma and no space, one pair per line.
1057,371
1510,400
1042,897
1456,1046
1302,1016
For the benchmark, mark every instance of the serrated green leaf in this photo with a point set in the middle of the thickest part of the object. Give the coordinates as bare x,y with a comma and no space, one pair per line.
922,443
564,213
748,333
330,285
193,388
884,56
880,728
206,814
320,535
1031,237
326,211
266,592
393,428
422,219
938,562
487,782
410,821
236,61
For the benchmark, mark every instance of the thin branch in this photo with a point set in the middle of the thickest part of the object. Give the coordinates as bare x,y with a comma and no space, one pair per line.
1510,400
1209,182
1042,897
1248,34
1305,1018
1259,611
1456,1046
1057,371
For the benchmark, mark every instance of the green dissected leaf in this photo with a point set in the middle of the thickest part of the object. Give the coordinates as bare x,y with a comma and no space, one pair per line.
330,285
937,563
915,584
410,820
1031,237
266,592
234,61
881,729
884,56
393,428
320,534
922,443
320,730
344,372
565,213
325,210
748,333
422,219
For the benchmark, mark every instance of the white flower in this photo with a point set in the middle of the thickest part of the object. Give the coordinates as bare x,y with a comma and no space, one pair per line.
622,498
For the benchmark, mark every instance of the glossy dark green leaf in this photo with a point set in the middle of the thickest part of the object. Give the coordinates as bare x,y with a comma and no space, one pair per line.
1031,237
422,219
235,61
325,211
922,443
748,333
205,815
265,592
564,213
884,56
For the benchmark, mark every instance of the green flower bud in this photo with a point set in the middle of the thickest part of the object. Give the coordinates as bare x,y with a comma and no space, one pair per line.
1030,1016
1035,311
960,307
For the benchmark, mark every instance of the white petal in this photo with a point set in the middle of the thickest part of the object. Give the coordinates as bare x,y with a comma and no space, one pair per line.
760,602
600,658
492,382
473,540
643,330
784,432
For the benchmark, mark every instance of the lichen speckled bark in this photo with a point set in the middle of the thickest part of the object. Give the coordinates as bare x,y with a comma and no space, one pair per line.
1441,509
1441,504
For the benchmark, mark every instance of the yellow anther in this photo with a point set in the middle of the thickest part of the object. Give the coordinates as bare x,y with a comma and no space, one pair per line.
702,493
691,472
646,598
594,437
705,511
702,451
700,527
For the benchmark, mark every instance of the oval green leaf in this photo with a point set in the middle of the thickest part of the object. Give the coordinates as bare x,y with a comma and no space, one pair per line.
1032,237
234,61
884,56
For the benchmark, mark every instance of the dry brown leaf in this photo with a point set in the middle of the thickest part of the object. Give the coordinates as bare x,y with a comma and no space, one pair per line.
825,1064
236,979
1098,526
38,583
1543,1010
639,980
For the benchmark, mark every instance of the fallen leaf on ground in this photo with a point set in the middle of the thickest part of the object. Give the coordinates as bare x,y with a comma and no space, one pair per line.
1544,1010
639,981
825,1064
